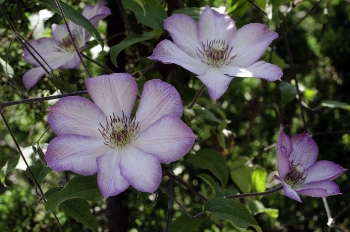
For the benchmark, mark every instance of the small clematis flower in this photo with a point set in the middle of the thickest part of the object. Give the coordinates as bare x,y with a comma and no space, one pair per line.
102,137
300,173
215,51
58,52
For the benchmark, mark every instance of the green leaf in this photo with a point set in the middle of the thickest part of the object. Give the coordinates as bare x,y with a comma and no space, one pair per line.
335,104
128,41
210,181
142,4
80,211
186,224
84,187
288,92
75,17
206,114
231,210
193,12
258,178
38,170
257,207
151,13
240,174
218,191
10,165
213,161
6,68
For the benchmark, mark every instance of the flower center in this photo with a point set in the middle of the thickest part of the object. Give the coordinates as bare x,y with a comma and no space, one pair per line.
119,132
215,53
66,43
295,175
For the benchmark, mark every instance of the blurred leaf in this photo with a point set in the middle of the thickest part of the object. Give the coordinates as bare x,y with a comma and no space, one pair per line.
10,165
288,92
240,174
38,170
275,59
75,17
6,68
186,224
80,211
218,191
309,94
205,114
193,12
231,210
335,104
237,8
128,41
273,10
84,187
143,196
257,207
261,3
213,161
258,178
151,14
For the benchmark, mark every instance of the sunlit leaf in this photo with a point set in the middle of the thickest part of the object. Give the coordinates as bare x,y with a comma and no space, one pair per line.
212,161
75,17
257,207
258,178
240,174
6,68
84,187
128,41
231,210
288,92
80,211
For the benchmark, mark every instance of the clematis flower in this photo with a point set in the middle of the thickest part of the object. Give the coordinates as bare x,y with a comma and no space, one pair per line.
214,51
300,173
58,52
102,137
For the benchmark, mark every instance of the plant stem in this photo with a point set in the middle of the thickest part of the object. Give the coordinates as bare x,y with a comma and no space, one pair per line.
200,91
268,192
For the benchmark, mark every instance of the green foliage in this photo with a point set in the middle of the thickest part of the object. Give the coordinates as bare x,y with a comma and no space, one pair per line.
240,174
185,224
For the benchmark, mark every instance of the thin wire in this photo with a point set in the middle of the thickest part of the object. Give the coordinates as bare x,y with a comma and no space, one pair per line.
170,199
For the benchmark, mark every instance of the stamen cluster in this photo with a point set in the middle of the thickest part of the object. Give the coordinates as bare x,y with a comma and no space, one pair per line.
295,175
66,43
215,53
119,131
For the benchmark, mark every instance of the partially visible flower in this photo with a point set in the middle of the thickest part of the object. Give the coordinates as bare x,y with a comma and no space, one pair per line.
300,173
215,51
58,52
103,137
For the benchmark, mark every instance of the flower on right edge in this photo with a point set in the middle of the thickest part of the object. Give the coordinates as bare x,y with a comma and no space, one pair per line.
300,173
214,51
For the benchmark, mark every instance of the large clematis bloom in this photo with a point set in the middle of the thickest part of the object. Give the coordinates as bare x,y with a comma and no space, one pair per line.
101,136
214,51
58,52
300,173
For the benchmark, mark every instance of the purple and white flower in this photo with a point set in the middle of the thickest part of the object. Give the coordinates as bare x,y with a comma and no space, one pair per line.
214,51
300,173
58,52
102,137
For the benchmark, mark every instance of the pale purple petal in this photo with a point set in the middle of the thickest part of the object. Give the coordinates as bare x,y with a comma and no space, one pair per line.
283,162
76,115
215,26
142,170
75,153
45,47
109,179
288,191
260,69
249,43
319,189
59,31
305,150
158,98
114,93
167,52
284,141
322,170
216,82
32,76
168,139
183,31
96,12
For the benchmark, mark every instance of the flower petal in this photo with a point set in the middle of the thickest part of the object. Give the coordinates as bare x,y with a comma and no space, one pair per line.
183,31
32,76
215,26
168,139
45,47
75,153
142,170
288,191
59,31
260,69
76,115
323,170
97,12
167,52
109,179
284,141
114,93
283,162
304,152
249,43
216,82
319,189
158,98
